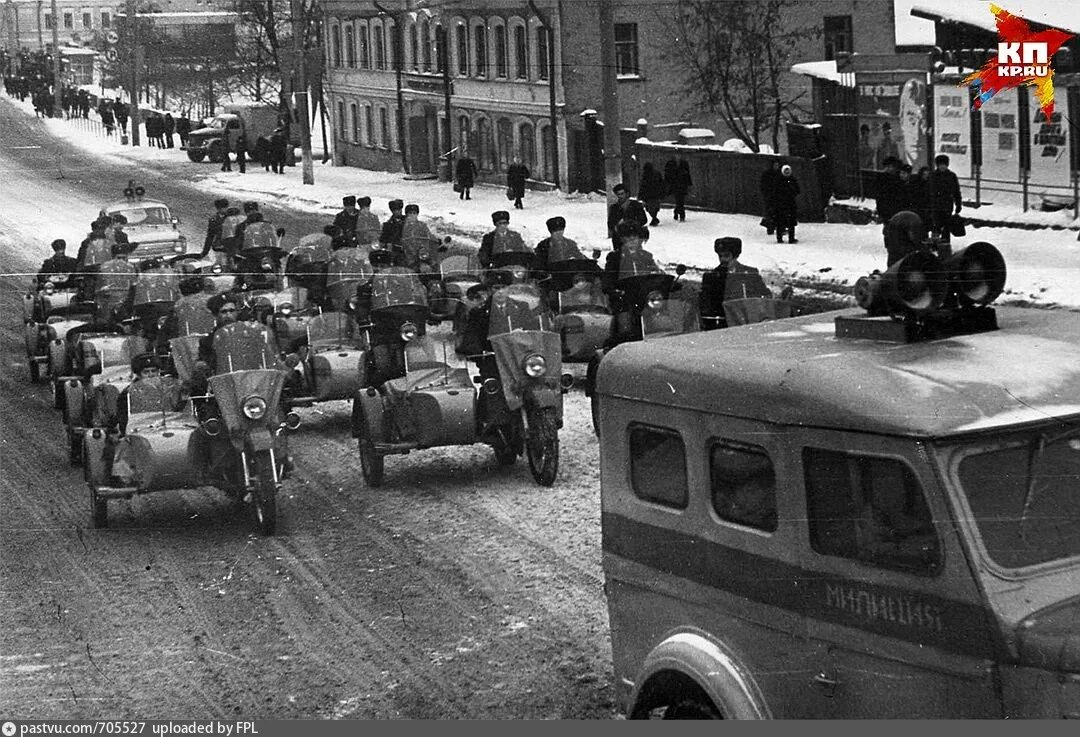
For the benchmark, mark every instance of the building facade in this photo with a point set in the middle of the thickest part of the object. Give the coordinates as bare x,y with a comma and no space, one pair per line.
506,99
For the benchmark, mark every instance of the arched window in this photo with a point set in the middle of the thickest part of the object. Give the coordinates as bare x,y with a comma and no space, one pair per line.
527,150
384,127
441,49
542,59
505,139
354,121
341,130
414,47
480,50
462,43
521,53
335,46
363,43
369,126
500,51
483,156
547,151
464,129
378,40
425,45
350,48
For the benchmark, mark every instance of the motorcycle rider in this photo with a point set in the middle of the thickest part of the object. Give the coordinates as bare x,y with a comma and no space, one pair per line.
114,278
716,285
213,227
556,247
390,237
346,219
368,227
58,263
191,293
251,209
500,240
630,258
145,367
416,240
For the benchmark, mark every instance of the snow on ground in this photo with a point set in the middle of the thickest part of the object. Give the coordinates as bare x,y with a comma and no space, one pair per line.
1044,265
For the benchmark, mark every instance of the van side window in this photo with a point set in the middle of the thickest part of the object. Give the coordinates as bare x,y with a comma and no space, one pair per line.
743,485
870,509
658,466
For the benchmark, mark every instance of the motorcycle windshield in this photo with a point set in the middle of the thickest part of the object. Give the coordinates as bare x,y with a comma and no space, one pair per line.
155,286
97,252
185,352
669,317
107,351
751,310
583,296
193,317
294,297
244,346
395,287
519,307
333,328
459,266
636,264
508,259
115,279
348,265
158,395
637,289
260,235
564,249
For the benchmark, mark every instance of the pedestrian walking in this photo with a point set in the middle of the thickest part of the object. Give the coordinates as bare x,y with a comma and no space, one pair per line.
241,152
159,128
150,124
168,127
120,112
465,176
677,182
944,198
107,119
279,141
888,190
183,129
624,208
516,175
787,192
768,186
651,191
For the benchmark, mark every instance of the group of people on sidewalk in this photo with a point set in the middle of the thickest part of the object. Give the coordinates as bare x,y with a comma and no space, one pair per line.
932,195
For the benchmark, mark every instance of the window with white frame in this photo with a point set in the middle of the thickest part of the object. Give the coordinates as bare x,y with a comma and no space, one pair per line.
521,53
543,61
369,126
87,20
461,40
414,47
335,46
341,130
363,44
527,149
106,19
350,47
354,121
626,49
505,138
384,127
378,40
500,52
480,50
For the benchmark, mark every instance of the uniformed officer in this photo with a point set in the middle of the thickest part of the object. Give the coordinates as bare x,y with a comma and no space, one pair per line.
390,237
500,240
556,247
346,219
729,280
213,227
417,242
631,259
368,227
58,263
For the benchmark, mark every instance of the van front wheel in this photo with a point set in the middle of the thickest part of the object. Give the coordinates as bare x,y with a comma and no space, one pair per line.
196,156
692,709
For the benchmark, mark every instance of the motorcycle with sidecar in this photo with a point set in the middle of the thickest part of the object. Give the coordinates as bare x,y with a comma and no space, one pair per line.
584,318
333,361
447,295
49,311
416,402
233,438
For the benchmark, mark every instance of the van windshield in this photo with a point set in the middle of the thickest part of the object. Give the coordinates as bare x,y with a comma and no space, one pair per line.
1025,496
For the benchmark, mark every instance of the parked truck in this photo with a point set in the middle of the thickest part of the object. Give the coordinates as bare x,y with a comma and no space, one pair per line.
252,119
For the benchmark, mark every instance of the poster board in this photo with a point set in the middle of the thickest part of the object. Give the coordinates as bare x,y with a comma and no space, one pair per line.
1001,137
1050,142
952,127
893,105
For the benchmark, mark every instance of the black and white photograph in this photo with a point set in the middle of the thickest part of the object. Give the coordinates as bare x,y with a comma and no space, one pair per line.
537,360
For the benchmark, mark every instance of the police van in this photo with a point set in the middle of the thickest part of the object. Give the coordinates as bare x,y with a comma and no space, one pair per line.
857,514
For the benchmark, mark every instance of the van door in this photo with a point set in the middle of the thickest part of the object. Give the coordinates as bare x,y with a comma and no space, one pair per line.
898,618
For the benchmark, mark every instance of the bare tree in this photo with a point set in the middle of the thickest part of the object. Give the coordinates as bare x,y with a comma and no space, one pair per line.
264,45
735,54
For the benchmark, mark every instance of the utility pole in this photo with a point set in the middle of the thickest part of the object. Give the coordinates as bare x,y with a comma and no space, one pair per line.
57,84
40,38
609,89
133,81
301,90
444,61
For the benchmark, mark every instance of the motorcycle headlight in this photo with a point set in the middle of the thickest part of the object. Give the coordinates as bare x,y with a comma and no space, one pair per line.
49,287
215,269
519,273
654,300
534,365
285,309
178,247
353,303
408,332
254,408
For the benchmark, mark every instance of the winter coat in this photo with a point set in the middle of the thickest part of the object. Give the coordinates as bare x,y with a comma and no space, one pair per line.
787,191
944,192
493,244
515,178
889,196
465,172
768,186
651,185
168,124
183,126
345,221
677,177
631,210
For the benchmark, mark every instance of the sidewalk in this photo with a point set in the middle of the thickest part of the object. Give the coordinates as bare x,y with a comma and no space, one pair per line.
1044,266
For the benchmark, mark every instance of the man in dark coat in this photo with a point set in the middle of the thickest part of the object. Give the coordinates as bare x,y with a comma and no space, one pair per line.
58,263
678,182
787,209
213,227
905,234
556,247
903,191
651,191
368,227
888,190
465,176
347,218
768,186
251,209
500,240
279,141
183,129
168,127
107,119
715,285
120,112
944,197
516,174
624,208
390,238
151,125
241,152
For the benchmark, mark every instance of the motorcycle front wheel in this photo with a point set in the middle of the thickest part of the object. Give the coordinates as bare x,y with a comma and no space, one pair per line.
542,444
371,463
265,493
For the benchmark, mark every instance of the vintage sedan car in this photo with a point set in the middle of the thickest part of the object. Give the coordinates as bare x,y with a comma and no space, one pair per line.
151,227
